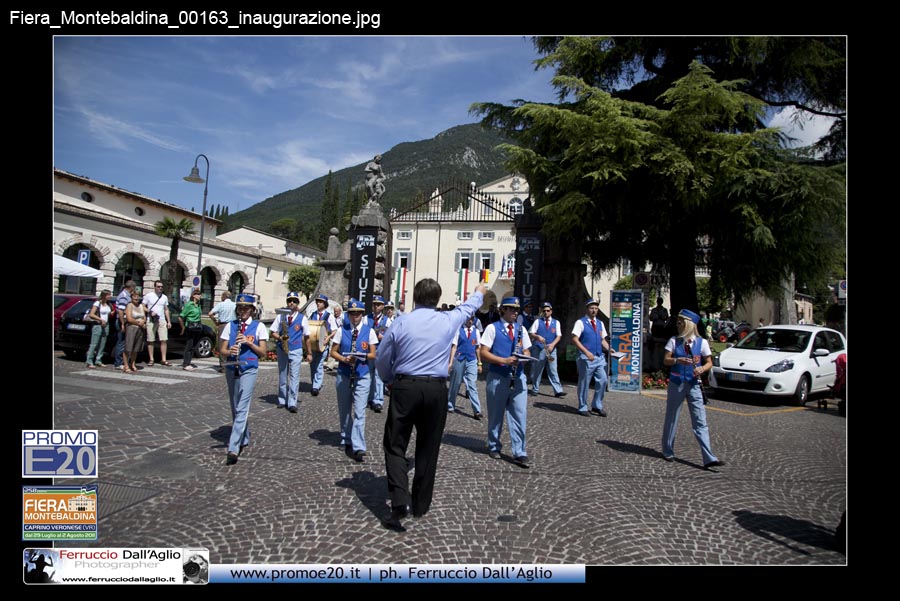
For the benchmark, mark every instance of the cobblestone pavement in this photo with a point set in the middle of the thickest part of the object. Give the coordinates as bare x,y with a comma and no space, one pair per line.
598,491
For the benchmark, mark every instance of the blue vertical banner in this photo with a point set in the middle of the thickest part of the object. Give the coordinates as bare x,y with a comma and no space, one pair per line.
626,340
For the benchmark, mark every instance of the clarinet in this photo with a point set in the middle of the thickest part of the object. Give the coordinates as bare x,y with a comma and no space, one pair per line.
516,349
690,353
353,365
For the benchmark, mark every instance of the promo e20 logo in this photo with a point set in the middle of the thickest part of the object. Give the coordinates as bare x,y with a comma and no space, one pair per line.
59,453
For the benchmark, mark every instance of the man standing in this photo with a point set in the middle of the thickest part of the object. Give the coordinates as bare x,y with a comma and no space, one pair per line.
412,359
353,348
547,332
379,322
119,324
589,335
223,314
659,321
317,363
158,310
244,342
465,364
290,333
507,392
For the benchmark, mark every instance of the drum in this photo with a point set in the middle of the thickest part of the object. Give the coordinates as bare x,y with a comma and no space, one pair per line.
318,334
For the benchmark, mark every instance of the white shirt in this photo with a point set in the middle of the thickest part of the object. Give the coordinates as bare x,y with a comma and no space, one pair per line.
487,339
579,327
103,311
373,337
297,317
156,307
261,332
537,323
704,346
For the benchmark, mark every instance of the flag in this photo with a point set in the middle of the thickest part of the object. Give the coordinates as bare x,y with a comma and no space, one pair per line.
399,285
462,287
484,276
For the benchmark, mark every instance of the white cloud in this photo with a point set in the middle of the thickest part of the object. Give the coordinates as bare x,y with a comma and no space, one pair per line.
113,132
805,128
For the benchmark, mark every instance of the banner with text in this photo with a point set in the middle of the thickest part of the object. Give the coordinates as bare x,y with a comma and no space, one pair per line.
626,340
140,565
362,264
529,260
396,573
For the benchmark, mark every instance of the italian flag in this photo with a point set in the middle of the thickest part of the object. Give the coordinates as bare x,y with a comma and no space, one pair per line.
462,287
399,285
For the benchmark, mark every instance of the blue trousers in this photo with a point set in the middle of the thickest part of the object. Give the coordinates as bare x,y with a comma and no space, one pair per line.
119,353
591,370
513,402
544,360
376,390
355,400
676,395
464,371
317,369
288,376
240,392
98,343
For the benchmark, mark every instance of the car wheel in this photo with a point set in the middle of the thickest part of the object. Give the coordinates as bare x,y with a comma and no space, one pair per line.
72,353
204,347
801,395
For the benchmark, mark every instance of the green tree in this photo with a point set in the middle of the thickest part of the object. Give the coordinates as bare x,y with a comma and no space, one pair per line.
286,227
689,170
176,230
304,279
330,212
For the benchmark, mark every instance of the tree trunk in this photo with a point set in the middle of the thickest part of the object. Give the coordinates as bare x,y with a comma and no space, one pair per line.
785,309
563,286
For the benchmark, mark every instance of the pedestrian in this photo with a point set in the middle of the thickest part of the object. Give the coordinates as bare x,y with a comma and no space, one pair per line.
290,334
120,324
659,319
689,357
353,347
589,335
325,320
98,315
546,332
401,309
379,322
222,314
135,331
412,359
507,389
244,342
465,365
189,319
160,321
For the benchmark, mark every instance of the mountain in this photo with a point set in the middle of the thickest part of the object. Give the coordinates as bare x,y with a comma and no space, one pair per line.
463,153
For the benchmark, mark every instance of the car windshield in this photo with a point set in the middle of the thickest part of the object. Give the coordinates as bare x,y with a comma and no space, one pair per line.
769,339
79,309
59,300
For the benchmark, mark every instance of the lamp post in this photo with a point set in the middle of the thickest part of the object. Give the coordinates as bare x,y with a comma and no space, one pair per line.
195,178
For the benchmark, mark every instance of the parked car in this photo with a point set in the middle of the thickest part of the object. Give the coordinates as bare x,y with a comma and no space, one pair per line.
788,361
62,303
74,334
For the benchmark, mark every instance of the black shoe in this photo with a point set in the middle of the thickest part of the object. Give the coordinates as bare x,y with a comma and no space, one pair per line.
477,416
231,459
377,408
532,393
392,522
669,459
559,394
293,409
599,412
521,461
706,466
494,454
359,456
584,414
315,392
241,450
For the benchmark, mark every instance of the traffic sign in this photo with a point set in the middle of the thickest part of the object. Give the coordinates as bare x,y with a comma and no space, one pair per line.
84,256
842,289
641,279
196,281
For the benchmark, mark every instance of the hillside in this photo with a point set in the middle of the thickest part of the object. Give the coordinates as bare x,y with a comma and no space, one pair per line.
464,152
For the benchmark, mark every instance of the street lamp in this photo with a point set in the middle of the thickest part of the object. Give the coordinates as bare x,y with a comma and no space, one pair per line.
195,178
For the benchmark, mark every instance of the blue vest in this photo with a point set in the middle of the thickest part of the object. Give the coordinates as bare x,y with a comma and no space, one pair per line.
325,316
685,373
295,331
465,347
504,347
245,353
362,366
591,339
549,334
382,321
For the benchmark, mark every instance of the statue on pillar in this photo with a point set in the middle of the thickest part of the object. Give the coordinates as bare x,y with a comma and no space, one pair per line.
375,180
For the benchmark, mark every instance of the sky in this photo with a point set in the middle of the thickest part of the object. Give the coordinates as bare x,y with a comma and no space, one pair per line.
271,113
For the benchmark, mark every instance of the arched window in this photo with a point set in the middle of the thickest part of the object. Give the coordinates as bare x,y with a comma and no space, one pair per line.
78,285
516,206
236,284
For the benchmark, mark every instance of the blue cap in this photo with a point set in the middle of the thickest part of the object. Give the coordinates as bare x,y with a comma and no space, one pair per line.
378,299
687,314
592,302
546,305
389,303
322,297
511,301
245,299
355,305
294,295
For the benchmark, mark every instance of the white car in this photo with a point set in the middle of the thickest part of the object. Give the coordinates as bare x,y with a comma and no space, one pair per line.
790,361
